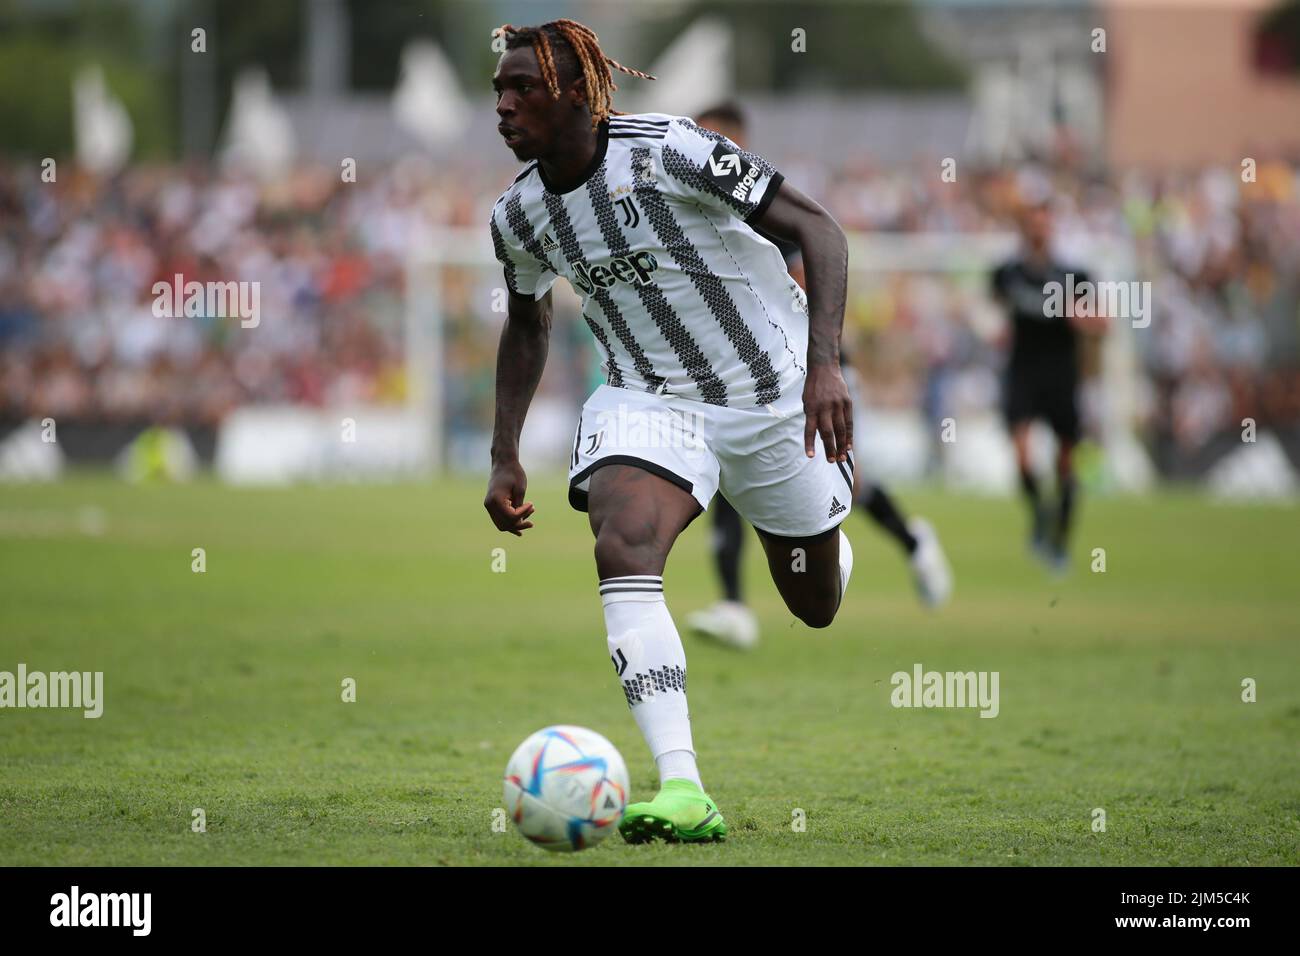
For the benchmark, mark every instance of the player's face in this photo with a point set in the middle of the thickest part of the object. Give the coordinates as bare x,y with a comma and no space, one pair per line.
529,115
1036,224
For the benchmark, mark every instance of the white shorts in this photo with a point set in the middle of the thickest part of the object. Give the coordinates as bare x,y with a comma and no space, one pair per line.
754,456
854,384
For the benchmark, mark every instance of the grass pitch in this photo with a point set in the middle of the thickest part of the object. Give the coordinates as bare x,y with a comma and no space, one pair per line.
1118,690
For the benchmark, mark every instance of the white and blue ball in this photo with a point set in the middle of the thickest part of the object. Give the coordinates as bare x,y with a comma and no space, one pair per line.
566,788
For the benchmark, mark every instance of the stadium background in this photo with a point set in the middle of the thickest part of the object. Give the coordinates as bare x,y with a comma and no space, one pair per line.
380,306
228,165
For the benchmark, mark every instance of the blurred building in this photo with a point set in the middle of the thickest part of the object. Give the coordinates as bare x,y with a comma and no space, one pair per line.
1190,83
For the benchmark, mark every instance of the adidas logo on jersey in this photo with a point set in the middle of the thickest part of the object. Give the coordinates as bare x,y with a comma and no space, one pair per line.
548,243
836,507
634,268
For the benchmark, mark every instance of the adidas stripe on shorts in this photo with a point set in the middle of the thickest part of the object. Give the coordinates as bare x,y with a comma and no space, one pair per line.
753,455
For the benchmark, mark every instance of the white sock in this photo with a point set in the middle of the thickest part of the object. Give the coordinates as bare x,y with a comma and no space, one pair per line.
846,564
647,654
678,765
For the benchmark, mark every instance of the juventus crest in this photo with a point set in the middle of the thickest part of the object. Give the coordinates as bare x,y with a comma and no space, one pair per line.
630,215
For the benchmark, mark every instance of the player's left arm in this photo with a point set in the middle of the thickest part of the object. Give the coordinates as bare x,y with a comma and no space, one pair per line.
794,216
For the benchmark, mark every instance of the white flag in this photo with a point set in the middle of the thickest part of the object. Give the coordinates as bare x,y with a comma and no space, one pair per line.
259,134
101,124
428,102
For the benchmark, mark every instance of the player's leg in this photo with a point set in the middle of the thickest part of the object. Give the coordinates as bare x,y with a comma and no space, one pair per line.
728,541
1066,484
808,573
930,569
795,503
636,516
931,572
728,621
1063,413
877,505
1019,409
642,470
1038,537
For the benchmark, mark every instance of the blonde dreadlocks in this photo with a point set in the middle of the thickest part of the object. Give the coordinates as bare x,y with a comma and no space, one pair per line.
591,61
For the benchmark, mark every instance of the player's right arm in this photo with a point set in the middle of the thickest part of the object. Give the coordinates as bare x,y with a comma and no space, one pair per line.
521,357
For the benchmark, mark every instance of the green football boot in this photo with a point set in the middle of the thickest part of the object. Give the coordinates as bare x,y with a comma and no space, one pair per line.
680,812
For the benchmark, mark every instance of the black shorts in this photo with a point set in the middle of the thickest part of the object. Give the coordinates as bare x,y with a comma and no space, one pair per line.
1041,394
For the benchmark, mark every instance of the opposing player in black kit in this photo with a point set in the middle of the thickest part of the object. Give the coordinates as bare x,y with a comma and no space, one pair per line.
1042,374
730,621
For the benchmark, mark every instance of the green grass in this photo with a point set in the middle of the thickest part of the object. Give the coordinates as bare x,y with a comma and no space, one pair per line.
1118,690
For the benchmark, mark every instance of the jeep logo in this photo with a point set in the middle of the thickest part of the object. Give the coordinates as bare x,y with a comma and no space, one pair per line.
636,267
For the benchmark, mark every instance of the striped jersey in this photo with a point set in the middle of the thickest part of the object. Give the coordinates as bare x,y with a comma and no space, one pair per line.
682,295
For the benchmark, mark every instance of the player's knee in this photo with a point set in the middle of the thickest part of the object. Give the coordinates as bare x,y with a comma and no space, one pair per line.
626,547
817,613
819,617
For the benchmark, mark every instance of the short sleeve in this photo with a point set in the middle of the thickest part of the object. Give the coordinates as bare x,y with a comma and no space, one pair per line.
707,168
998,283
526,274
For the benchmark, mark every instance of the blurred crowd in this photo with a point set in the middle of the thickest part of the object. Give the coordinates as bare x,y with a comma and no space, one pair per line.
80,337
79,258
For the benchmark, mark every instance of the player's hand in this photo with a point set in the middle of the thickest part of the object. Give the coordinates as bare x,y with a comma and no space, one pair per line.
505,498
829,411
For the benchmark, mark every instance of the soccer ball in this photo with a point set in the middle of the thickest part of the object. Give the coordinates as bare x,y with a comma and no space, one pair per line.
565,788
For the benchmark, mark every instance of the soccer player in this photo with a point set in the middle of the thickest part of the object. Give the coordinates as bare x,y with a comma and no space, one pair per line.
708,342
730,621
1042,373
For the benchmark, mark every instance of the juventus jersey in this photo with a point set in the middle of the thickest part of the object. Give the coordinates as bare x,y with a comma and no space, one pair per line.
682,295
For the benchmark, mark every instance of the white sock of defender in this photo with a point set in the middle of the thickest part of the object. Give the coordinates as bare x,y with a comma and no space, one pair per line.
647,654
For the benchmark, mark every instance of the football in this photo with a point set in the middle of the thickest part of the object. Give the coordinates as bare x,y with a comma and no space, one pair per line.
565,788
